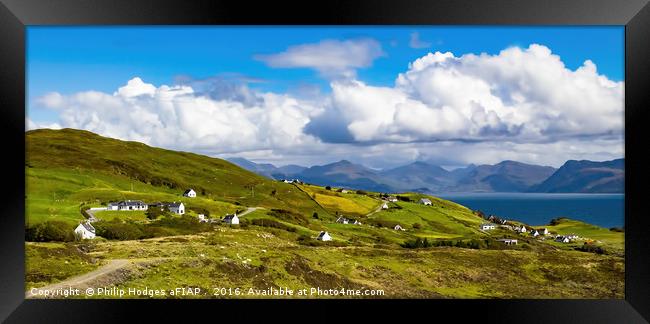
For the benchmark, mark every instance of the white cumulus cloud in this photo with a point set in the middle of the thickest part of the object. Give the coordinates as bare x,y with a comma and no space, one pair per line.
177,117
520,95
521,104
331,58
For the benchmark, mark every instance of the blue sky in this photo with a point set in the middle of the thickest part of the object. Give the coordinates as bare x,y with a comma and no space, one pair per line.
69,60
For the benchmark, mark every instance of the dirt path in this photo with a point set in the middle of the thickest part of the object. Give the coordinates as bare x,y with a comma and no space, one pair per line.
74,282
92,214
249,210
378,209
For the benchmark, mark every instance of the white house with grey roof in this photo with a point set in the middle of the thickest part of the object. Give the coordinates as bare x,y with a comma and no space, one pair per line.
508,241
324,236
84,231
176,208
231,219
425,201
189,193
487,226
127,205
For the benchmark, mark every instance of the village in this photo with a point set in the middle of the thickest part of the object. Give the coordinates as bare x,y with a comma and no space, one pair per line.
85,229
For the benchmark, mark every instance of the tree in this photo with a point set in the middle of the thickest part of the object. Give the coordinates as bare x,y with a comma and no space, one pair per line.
50,231
273,192
328,188
315,215
155,213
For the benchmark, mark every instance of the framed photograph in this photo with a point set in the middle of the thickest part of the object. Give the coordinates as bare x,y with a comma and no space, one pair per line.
271,161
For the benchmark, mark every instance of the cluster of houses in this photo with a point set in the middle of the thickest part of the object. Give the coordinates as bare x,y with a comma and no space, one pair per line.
523,230
231,219
174,207
391,199
343,220
85,230
131,205
291,181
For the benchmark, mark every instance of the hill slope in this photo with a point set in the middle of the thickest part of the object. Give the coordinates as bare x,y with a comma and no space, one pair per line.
67,167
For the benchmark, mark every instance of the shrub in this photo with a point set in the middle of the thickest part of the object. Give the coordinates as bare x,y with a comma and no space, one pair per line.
84,211
417,226
289,216
273,224
328,188
419,243
155,213
586,247
50,231
199,210
315,215
361,192
556,221
117,230
383,223
617,229
404,198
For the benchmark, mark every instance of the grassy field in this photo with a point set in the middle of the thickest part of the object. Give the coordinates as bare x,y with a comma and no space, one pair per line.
348,204
255,258
52,262
602,236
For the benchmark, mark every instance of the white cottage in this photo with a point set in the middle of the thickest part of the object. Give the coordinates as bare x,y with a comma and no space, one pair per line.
127,205
398,228
202,218
324,236
508,241
486,227
177,208
384,206
425,201
562,239
189,193
231,219
84,231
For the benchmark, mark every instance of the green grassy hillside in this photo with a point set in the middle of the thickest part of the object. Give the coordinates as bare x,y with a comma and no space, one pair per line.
67,168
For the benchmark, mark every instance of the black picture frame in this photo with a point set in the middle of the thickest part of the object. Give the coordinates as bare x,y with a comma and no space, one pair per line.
634,15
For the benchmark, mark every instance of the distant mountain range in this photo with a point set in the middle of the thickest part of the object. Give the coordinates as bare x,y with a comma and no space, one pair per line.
507,176
586,176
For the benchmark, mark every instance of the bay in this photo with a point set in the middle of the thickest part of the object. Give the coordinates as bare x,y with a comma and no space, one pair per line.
605,210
